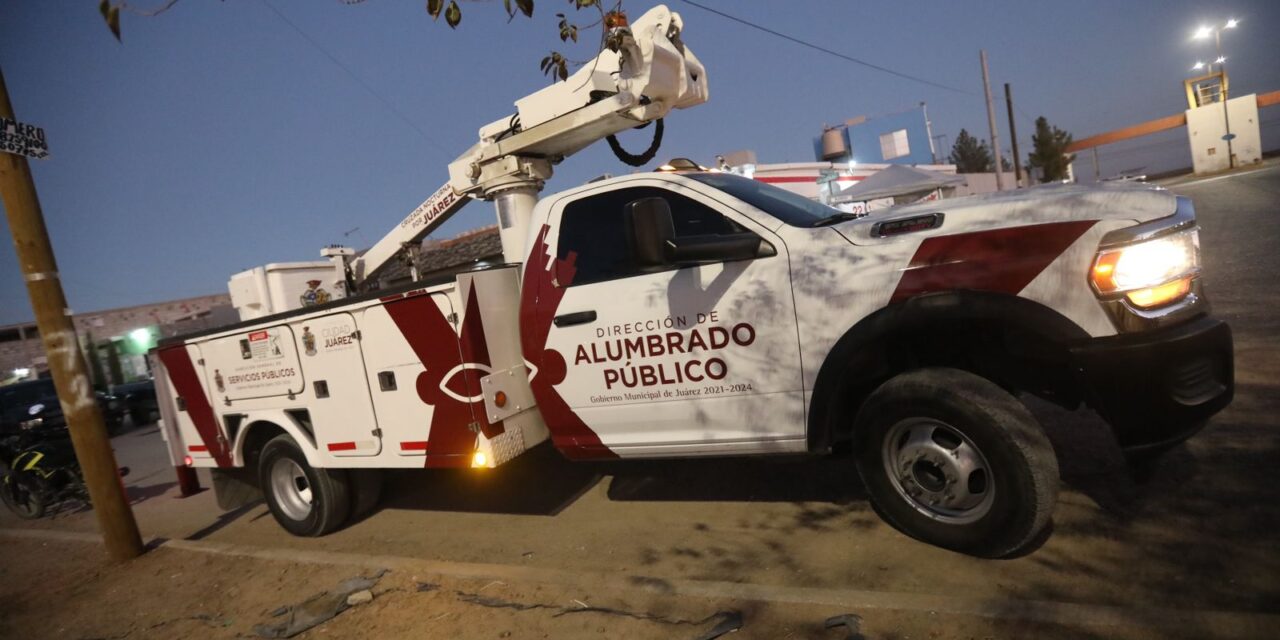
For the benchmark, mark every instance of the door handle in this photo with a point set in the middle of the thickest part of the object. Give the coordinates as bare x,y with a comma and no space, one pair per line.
570,319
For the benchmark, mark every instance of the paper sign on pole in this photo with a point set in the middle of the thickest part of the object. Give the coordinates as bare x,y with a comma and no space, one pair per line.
23,139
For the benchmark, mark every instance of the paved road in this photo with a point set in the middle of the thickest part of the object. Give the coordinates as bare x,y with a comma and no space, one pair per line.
1198,531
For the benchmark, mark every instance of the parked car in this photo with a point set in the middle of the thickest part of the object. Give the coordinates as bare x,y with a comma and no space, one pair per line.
34,405
139,400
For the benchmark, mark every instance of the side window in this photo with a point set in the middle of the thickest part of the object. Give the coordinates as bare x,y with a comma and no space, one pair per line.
592,228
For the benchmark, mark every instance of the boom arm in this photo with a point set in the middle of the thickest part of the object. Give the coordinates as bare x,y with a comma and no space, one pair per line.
651,73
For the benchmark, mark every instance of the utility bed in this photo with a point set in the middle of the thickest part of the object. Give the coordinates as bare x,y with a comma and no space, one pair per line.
419,376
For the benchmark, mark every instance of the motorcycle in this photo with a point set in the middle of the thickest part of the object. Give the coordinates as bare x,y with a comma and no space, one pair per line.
42,471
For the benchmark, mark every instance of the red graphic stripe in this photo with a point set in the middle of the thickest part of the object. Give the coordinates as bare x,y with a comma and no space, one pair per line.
177,362
342,446
435,344
414,445
197,448
539,300
998,260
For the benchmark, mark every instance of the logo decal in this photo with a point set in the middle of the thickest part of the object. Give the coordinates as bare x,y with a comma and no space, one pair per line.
308,341
314,295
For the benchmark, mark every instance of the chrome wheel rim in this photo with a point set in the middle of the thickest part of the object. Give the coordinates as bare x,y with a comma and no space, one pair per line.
291,488
938,470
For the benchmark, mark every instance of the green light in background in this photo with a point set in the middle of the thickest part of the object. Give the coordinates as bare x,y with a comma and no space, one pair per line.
139,341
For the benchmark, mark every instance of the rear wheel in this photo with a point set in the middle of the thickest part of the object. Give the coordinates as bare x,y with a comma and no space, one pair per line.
22,495
366,490
304,500
954,460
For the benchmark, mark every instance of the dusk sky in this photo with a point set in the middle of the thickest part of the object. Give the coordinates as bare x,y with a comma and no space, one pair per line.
216,138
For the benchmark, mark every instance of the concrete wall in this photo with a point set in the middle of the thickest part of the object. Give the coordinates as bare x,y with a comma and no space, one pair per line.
1207,125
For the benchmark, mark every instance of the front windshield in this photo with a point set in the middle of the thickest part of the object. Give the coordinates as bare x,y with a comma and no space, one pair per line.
793,209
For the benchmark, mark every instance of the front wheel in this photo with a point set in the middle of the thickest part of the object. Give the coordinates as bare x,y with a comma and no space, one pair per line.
305,501
952,459
22,494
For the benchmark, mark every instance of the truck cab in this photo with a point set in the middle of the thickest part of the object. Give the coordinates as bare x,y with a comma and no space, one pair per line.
702,313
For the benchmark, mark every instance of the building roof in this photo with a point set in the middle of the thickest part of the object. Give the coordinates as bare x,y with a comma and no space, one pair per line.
897,180
439,255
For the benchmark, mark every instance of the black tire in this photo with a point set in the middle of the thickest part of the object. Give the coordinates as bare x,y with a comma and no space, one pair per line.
366,490
304,500
22,495
139,417
975,472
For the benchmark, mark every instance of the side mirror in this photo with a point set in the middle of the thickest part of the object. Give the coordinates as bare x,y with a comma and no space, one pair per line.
649,230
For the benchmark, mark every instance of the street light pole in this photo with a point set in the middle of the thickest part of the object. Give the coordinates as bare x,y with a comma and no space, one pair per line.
1216,31
991,119
1226,116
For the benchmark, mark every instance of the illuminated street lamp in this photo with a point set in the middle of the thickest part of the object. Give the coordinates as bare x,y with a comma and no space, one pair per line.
1202,33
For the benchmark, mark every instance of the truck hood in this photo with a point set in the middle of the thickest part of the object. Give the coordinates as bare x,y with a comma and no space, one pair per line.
1037,205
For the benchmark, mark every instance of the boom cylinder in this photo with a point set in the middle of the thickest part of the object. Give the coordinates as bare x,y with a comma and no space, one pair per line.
515,211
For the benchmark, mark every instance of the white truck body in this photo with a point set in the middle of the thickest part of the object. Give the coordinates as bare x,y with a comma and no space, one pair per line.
709,359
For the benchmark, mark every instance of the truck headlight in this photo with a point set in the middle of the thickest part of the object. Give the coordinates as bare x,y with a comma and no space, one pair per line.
1150,273
27,425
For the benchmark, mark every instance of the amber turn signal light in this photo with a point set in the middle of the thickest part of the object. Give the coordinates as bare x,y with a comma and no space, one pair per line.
1163,294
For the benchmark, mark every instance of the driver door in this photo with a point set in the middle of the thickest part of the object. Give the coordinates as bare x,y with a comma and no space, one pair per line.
675,359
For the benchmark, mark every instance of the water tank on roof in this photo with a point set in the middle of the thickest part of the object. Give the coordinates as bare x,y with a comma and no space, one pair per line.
834,144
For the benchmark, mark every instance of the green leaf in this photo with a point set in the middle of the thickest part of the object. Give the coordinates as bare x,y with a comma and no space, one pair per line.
434,7
582,4
113,22
104,8
453,15
526,7
564,70
511,12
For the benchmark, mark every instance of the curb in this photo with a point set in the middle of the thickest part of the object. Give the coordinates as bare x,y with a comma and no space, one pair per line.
1043,611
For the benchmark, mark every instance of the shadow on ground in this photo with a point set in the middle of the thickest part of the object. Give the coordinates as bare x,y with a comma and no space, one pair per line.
540,482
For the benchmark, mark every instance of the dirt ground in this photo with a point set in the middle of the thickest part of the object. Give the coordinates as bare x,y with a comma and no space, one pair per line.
68,590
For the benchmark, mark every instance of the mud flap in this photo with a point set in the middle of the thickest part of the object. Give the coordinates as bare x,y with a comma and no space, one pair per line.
235,488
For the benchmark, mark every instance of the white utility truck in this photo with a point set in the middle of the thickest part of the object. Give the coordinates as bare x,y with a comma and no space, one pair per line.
698,313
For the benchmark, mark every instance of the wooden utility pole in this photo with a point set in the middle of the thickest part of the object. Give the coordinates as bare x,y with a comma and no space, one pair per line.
1013,135
991,120
75,393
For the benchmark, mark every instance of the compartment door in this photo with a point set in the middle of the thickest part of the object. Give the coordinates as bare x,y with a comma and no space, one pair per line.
337,392
193,415
416,376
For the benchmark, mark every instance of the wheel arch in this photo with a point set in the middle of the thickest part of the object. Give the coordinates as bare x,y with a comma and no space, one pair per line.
896,337
260,427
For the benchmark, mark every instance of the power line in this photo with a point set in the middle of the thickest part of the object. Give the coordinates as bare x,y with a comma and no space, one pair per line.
386,103
826,50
